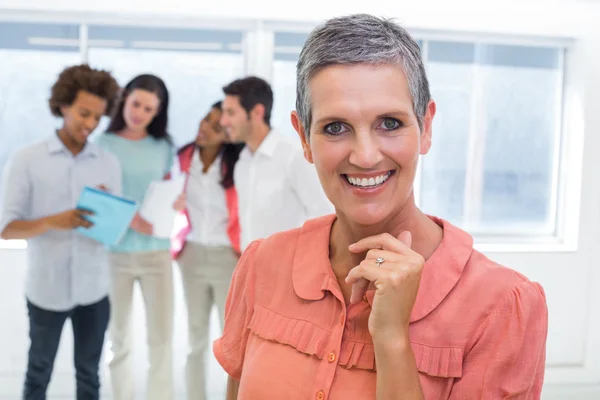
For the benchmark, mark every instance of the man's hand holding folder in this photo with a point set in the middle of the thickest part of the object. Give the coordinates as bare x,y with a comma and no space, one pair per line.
70,219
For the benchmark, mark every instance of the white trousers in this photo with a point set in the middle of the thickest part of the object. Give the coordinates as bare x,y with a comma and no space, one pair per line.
206,273
154,273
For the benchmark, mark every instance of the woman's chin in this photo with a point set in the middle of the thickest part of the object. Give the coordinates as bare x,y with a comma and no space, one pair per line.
365,215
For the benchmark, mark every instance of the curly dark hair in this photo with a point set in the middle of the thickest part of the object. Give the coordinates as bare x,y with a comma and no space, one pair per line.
82,77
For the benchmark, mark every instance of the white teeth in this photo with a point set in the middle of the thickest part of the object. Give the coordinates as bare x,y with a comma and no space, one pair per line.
368,182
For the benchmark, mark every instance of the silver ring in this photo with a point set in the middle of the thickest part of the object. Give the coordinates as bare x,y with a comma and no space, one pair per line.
379,261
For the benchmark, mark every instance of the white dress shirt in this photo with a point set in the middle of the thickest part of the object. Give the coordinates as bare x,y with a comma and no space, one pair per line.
206,204
64,268
277,188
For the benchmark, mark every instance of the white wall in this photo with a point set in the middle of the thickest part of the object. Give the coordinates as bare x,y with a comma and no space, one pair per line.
550,17
571,279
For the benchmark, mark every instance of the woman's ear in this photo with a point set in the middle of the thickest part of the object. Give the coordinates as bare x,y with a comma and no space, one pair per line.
297,124
427,128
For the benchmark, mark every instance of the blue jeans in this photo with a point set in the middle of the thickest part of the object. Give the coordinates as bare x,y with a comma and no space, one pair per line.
45,327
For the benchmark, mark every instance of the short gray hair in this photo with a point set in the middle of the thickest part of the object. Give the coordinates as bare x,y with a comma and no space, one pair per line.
360,39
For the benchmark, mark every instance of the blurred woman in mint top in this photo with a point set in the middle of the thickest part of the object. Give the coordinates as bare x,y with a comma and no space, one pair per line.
138,136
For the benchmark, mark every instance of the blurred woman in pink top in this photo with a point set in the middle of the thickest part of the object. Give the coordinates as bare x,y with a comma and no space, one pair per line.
379,301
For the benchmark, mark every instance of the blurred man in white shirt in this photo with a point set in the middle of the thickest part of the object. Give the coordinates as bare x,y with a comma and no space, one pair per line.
277,188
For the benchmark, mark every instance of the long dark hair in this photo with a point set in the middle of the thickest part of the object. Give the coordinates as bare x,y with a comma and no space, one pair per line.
230,153
153,84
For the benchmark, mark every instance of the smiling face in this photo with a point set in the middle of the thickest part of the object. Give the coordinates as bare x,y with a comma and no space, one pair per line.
210,132
82,116
365,139
236,122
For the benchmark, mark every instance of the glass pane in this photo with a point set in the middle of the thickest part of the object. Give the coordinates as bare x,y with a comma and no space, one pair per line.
510,97
32,57
522,106
287,50
195,65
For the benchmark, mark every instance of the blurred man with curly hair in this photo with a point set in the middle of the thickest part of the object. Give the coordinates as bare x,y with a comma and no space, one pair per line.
67,275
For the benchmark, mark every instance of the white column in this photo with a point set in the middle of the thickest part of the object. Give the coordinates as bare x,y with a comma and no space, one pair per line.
258,52
83,43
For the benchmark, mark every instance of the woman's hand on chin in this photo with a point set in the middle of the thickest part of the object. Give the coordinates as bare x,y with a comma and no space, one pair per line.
394,270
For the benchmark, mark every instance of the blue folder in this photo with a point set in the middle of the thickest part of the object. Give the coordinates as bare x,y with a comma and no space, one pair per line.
111,218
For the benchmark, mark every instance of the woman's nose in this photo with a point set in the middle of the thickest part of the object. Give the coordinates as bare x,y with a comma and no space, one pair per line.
366,152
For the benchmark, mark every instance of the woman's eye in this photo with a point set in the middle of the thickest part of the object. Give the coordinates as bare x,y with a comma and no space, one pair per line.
390,124
335,128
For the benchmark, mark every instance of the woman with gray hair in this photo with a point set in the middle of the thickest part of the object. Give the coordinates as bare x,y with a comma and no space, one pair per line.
379,301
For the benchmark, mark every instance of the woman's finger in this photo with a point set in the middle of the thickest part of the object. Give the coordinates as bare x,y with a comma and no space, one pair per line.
359,289
361,277
387,256
384,241
368,270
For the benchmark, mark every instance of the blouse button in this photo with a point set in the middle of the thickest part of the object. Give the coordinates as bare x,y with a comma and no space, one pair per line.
342,319
321,396
331,357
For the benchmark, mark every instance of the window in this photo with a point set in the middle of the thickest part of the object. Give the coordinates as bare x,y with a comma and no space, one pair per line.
493,166
32,57
195,64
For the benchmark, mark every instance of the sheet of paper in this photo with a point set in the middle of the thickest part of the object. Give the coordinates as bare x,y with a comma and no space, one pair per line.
157,207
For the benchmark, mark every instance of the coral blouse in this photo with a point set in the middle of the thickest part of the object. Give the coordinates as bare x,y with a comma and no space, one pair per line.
478,330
